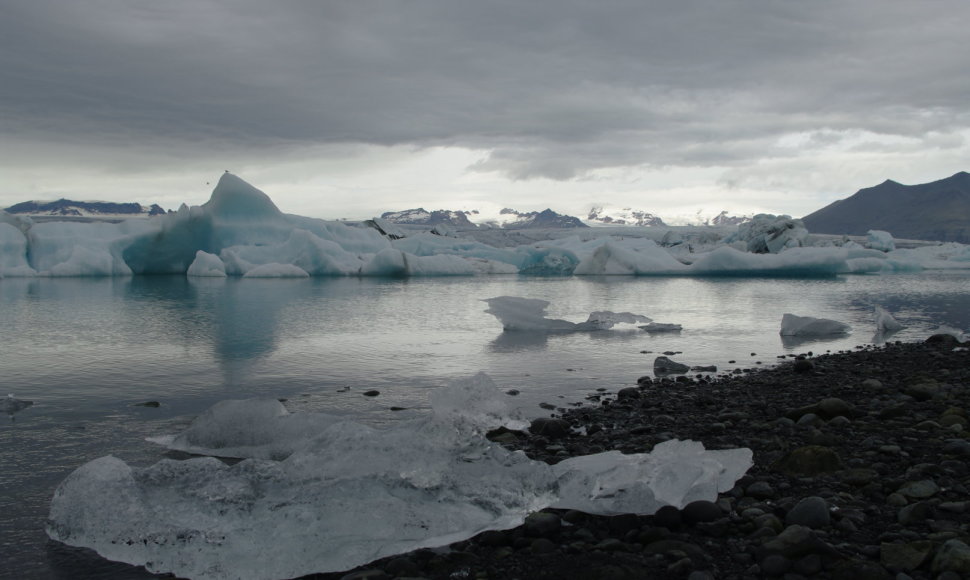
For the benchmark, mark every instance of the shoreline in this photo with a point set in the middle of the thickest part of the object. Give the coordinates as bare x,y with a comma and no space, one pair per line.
860,472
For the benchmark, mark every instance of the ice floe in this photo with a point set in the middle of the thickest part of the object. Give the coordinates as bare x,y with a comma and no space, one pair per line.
319,495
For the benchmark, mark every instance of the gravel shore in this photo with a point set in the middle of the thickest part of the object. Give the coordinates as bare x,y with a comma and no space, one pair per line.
860,473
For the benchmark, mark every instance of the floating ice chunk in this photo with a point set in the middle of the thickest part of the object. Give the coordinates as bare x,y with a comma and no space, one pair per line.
207,265
675,473
806,326
880,240
529,314
353,494
767,233
885,322
13,405
604,319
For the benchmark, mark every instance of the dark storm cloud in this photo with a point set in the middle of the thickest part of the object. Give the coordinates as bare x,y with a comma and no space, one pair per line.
552,88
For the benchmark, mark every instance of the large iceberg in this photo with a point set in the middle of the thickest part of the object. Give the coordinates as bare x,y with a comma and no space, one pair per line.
241,232
317,494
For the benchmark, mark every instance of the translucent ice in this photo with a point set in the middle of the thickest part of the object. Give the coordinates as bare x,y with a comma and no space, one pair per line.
880,240
319,495
805,326
529,314
885,321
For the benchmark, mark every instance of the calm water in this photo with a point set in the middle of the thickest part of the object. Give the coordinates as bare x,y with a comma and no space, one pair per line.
86,351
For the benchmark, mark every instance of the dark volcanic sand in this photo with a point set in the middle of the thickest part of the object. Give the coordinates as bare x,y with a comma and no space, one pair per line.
860,473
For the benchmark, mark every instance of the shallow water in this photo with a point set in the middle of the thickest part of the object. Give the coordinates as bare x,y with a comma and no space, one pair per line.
86,351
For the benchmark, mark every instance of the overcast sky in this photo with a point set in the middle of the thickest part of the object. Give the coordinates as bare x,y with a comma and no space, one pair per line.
348,109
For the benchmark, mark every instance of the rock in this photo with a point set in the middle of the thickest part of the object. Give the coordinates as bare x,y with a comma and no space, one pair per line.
915,513
775,565
542,546
664,366
372,574
827,408
701,511
923,489
922,391
943,340
402,567
802,366
953,556
628,393
811,512
760,490
549,427
859,476
795,541
809,460
668,516
371,393
542,524
153,404
905,557
859,570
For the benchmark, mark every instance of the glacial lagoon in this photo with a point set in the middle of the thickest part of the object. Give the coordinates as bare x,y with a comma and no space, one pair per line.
89,351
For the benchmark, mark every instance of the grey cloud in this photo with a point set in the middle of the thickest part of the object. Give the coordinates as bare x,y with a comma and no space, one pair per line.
553,89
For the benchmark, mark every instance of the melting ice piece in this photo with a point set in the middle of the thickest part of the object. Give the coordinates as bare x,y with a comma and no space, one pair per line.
885,323
674,473
353,494
529,314
249,428
792,325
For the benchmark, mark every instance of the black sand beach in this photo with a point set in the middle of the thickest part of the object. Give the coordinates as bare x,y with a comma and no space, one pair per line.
860,473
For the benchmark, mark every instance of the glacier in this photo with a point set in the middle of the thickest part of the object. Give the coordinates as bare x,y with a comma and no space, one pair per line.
240,232
315,493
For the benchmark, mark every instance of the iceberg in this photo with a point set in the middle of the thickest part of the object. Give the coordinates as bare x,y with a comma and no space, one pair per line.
807,326
317,494
242,228
529,314
880,240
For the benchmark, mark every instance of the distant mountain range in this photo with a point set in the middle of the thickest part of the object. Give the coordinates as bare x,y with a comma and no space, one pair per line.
930,211
423,217
69,208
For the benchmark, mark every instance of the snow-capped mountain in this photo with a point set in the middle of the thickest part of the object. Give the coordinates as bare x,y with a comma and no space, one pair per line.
512,219
423,217
723,219
93,209
598,215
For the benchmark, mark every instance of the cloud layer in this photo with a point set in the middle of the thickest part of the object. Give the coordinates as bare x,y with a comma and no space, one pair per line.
795,99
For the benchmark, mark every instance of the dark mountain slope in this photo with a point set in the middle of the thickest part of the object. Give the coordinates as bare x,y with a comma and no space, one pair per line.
930,211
